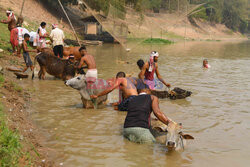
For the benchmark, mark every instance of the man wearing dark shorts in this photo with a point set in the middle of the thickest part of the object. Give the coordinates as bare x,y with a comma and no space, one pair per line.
26,55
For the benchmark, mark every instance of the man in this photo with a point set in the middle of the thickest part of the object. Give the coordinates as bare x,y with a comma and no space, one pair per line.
57,37
89,60
21,32
26,55
137,122
11,21
149,69
126,88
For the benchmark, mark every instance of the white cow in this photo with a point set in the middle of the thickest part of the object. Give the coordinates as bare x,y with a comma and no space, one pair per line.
171,135
79,83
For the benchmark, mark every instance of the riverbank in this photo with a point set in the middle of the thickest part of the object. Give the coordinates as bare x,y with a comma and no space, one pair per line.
20,140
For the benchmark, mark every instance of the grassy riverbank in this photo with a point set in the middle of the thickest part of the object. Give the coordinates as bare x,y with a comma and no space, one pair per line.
20,140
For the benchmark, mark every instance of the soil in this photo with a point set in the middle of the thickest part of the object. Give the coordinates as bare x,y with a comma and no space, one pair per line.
16,103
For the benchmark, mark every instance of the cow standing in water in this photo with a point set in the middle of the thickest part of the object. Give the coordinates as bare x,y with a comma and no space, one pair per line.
57,67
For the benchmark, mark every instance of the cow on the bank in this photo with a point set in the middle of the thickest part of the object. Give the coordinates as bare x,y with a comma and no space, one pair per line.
79,83
54,66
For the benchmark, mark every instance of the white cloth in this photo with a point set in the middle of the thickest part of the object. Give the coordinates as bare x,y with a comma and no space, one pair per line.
32,36
91,75
41,41
57,36
21,32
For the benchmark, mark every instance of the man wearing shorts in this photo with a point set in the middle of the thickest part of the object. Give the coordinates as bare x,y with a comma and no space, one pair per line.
26,55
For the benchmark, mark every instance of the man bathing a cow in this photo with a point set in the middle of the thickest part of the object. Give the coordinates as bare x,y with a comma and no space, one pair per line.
89,61
126,88
148,70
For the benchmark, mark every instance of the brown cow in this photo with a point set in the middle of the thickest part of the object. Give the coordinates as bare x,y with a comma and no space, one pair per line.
57,67
72,50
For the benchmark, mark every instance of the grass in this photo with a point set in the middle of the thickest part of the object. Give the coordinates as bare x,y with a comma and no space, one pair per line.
10,146
16,87
157,41
1,80
171,35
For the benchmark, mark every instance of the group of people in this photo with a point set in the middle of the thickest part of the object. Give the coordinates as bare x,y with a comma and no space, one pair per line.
135,97
20,37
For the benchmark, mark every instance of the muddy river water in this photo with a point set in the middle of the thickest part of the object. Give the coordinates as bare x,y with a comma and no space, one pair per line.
217,114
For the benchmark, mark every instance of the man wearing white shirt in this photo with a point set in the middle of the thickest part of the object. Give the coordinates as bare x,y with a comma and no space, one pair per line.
57,37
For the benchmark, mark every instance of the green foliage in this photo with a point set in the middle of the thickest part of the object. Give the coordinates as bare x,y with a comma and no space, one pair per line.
157,41
1,80
232,13
10,147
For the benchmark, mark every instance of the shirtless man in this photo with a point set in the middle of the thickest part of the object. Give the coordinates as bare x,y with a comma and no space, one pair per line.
26,55
89,60
149,69
11,21
126,87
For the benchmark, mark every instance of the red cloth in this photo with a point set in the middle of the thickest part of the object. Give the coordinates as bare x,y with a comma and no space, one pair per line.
150,75
14,36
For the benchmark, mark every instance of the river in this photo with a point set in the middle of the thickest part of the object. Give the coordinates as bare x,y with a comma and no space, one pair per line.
217,114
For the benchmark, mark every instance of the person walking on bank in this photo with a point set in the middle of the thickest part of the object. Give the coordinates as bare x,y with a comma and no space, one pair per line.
57,37
11,21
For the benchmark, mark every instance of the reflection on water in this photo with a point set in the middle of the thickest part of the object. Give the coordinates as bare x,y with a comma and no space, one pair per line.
217,114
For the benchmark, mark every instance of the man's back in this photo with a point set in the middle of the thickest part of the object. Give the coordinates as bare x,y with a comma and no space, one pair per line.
139,110
127,87
57,36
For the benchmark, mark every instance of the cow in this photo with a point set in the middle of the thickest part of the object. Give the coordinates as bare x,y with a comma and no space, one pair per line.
79,83
74,50
57,67
176,93
171,135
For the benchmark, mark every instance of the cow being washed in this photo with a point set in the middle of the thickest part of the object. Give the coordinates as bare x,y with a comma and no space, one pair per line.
57,67
80,83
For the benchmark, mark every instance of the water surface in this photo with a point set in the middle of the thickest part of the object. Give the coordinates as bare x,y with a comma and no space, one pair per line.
217,114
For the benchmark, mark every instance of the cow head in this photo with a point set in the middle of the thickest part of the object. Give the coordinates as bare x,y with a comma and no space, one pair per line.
77,83
178,93
175,137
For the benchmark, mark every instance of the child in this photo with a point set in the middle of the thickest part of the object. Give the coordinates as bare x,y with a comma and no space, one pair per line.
205,64
26,55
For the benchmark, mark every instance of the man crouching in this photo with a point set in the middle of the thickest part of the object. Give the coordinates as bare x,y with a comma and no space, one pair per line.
137,122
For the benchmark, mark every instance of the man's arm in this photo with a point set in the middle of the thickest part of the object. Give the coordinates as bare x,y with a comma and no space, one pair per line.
25,48
157,112
81,63
6,21
51,36
107,91
159,76
142,73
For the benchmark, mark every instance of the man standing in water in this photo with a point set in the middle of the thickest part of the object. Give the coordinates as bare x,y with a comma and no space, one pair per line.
11,21
138,119
89,60
149,69
126,88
